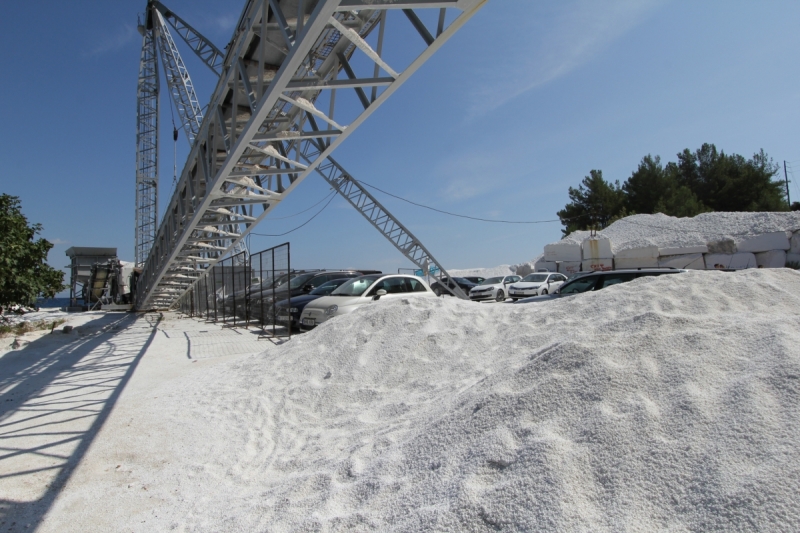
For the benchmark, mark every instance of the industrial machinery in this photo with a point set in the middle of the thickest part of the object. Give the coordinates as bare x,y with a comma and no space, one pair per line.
99,278
109,285
271,122
82,259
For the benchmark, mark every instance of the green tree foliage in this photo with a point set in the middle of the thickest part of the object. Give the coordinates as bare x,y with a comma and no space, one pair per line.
595,203
700,181
24,274
731,182
653,188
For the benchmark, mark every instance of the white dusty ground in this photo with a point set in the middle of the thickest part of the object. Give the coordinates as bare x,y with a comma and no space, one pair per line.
667,404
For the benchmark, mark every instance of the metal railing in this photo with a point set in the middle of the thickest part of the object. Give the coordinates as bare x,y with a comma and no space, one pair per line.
241,292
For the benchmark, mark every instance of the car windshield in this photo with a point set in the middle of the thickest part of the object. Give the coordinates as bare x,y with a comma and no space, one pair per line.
492,281
327,288
301,280
579,285
535,278
281,282
356,286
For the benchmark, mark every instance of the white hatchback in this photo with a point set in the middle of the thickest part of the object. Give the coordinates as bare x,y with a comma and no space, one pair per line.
536,284
493,288
360,291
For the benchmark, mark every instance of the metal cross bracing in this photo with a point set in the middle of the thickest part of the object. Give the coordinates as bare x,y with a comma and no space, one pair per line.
260,137
202,47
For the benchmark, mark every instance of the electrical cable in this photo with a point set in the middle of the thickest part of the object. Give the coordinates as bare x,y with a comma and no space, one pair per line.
174,148
458,215
298,227
304,210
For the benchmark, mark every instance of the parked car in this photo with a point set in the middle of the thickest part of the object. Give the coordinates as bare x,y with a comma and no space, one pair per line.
247,295
493,288
296,286
361,291
438,286
287,312
536,284
477,280
595,281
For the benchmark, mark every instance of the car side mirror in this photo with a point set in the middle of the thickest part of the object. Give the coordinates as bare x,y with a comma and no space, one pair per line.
308,288
381,292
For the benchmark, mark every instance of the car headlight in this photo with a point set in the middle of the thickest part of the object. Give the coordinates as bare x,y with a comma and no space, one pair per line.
331,309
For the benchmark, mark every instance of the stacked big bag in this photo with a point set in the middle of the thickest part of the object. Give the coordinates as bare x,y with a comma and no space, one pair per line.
708,241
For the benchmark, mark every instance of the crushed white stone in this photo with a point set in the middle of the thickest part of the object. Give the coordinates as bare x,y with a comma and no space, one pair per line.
668,403
502,270
638,231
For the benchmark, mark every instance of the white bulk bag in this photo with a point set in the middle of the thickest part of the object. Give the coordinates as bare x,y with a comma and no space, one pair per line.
764,242
562,251
596,248
771,259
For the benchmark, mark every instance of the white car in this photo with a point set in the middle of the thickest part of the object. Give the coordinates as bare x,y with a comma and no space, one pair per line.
360,291
536,284
493,288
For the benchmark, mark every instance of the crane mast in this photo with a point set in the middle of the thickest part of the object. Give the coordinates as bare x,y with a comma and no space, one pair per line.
146,148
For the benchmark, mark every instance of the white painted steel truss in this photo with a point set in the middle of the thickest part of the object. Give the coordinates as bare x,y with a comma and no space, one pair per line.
260,137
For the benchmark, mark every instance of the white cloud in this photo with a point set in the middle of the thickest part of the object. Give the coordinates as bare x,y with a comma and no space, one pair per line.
554,42
468,175
121,38
226,22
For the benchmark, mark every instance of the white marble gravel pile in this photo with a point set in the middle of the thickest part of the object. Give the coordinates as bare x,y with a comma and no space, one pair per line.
668,403
638,231
501,270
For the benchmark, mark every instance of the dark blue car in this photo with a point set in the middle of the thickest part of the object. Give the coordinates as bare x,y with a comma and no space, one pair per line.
288,311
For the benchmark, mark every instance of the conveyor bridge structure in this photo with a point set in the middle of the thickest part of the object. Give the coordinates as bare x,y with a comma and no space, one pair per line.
271,122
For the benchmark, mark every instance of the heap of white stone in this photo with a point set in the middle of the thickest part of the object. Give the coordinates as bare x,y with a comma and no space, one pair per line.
708,241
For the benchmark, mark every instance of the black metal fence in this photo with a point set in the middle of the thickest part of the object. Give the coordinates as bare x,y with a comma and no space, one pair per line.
242,292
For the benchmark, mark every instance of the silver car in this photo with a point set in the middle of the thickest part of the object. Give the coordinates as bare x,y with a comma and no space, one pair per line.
361,291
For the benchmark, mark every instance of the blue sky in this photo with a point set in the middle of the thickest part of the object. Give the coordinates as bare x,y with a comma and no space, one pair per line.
521,104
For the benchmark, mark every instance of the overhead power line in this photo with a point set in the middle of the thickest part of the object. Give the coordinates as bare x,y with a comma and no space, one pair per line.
332,195
456,214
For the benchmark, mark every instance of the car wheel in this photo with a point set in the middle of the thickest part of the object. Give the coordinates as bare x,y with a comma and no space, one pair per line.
437,292
544,291
501,297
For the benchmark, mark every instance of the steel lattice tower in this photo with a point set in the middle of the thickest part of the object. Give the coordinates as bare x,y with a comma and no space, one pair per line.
146,149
